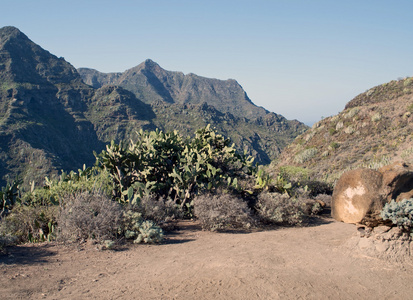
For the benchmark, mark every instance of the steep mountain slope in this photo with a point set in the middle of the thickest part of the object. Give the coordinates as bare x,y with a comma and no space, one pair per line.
51,120
374,129
47,113
42,126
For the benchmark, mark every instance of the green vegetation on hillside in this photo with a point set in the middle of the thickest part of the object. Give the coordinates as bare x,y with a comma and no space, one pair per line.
135,189
374,130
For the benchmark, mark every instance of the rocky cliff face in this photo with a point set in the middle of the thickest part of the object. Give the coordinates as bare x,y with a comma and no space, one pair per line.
373,130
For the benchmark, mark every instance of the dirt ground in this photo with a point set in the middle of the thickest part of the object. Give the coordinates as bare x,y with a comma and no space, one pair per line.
284,263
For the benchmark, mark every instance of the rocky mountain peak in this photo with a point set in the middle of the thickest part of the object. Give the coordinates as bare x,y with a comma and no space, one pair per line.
10,33
24,61
150,64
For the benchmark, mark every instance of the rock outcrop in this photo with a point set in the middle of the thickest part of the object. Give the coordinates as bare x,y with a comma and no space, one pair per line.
359,195
397,182
384,242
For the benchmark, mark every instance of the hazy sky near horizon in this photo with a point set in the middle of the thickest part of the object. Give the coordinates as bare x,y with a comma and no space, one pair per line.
302,59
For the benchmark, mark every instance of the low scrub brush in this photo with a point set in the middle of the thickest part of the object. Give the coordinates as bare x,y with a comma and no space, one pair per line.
29,224
89,216
220,211
158,209
279,209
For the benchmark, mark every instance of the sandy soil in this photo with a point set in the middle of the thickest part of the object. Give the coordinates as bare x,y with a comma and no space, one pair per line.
285,263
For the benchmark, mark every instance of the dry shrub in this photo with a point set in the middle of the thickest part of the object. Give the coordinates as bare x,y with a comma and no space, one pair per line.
89,215
279,209
219,211
310,207
29,224
324,198
159,210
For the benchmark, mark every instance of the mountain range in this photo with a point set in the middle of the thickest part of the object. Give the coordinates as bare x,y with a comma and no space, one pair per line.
52,116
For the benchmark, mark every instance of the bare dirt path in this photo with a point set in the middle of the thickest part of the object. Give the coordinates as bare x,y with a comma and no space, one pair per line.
286,263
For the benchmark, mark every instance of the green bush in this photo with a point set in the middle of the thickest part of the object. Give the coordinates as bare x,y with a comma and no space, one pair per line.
56,190
334,145
400,213
408,81
293,173
332,131
221,211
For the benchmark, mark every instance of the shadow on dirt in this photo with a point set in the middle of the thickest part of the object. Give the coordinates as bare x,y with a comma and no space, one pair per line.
26,255
177,240
321,219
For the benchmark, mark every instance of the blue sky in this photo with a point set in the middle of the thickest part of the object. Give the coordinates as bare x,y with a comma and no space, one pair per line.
302,59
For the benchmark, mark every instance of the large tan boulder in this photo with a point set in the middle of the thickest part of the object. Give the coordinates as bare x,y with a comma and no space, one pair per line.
359,195
356,196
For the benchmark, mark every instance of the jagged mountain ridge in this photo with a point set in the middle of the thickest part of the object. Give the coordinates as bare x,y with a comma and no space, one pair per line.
151,83
51,120
374,129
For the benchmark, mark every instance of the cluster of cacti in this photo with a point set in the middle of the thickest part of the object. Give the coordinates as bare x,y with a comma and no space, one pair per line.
9,195
55,190
142,166
262,179
140,230
170,166
400,213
